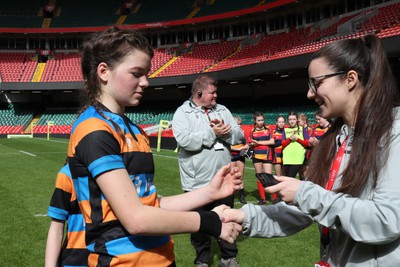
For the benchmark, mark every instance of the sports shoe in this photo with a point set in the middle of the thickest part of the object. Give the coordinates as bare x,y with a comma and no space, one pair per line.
201,264
262,202
228,263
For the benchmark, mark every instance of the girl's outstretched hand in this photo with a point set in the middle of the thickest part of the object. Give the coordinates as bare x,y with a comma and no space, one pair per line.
226,182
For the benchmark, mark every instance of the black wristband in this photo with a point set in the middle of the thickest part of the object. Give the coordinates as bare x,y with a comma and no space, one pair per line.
210,223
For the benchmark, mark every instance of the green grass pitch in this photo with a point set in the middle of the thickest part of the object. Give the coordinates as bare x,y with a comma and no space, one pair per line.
28,168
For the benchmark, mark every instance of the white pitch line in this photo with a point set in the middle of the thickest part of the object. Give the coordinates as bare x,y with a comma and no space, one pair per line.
40,215
30,154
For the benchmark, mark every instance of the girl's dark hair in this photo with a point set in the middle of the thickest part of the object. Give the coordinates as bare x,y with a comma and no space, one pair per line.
304,117
319,114
294,113
110,46
255,115
374,115
278,117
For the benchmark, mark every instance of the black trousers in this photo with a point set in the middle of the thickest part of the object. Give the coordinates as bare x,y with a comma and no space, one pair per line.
202,242
291,170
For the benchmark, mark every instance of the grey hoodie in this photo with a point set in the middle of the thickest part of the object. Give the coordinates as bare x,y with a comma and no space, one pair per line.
364,231
200,153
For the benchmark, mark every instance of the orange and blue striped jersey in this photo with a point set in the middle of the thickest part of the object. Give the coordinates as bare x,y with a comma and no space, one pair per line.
277,151
64,207
261,151
95,148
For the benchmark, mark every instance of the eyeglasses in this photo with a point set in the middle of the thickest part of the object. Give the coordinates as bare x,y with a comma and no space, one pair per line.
314,82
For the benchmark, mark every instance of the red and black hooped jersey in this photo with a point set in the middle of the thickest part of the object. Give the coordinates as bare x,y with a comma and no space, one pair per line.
261,151
319,132
277,151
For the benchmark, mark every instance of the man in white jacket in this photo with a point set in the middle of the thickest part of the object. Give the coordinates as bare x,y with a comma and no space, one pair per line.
204,131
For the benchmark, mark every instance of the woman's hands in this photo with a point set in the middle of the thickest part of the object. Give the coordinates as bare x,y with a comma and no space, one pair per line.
231,222
286,188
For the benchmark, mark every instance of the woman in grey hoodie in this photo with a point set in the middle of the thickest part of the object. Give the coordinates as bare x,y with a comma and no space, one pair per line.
352,187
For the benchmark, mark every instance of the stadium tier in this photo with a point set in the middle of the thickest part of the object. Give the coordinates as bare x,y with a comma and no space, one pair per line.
63,68
16,119
191,58
203,54
21,13
383,18
65,13
17,67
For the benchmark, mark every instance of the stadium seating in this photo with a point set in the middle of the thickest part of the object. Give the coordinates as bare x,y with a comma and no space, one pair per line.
200,58
17,66
161,57
63,68
86,13
389,32
158,11
29,14
386,17
14,118
224,6
61,120
213,56
333,29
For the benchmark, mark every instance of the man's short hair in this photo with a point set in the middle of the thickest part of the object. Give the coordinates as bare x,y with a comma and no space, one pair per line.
201,82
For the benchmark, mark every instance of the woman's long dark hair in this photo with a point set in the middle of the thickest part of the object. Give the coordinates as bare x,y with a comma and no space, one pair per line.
374,115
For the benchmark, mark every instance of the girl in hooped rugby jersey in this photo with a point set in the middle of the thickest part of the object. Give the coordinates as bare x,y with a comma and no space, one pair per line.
113,170
262,142
277,134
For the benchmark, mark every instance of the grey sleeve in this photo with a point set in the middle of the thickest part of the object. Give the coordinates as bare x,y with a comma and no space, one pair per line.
374,219
274,221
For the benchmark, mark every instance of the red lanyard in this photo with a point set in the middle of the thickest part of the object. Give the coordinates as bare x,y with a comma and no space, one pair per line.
333,173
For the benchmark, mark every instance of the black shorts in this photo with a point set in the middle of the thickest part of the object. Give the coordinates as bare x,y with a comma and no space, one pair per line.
237,157
261,161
